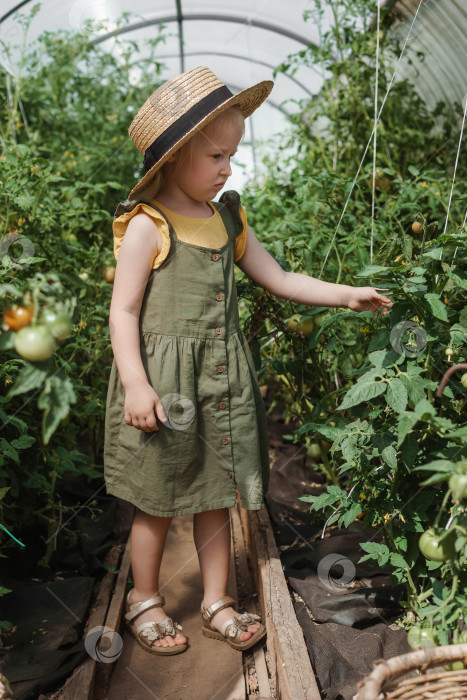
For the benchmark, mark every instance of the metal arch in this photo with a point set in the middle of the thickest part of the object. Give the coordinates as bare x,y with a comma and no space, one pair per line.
242,58
207,16
180,35
13,9
180,17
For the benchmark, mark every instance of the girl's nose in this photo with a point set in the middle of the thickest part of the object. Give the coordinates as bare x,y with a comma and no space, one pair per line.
226,169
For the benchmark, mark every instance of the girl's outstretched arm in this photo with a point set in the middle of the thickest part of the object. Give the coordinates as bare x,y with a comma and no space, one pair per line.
140,245
303,289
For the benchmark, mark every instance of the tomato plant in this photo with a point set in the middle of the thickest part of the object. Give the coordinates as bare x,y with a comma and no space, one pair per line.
367,384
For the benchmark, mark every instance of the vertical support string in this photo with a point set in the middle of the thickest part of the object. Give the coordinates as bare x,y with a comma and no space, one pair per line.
373,189
371,136
454,178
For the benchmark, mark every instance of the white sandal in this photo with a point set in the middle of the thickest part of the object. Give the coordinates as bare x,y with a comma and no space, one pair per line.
147,633
231,630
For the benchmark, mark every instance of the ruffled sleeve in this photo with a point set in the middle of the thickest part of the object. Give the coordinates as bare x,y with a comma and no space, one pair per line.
120,225
240,241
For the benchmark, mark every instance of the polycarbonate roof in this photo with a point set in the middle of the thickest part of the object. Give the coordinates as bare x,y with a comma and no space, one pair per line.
440,33
242,41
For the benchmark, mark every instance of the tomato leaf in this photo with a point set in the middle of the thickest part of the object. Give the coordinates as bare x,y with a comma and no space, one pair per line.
390,456
370,270
396,395
376,551
364,390
55,401
436,305
405,423
31,377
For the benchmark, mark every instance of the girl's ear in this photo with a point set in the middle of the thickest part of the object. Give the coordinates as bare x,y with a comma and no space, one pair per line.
171,159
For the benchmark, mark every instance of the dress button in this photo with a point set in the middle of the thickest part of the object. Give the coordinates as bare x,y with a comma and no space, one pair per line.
225,441
219,297
229,474
222,404
220,369
215,257
218,331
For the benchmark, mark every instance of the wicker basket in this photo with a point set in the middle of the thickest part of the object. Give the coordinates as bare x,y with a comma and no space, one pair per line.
424,676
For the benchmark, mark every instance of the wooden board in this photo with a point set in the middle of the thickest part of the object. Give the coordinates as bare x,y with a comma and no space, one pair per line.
80,684
254,661
292,675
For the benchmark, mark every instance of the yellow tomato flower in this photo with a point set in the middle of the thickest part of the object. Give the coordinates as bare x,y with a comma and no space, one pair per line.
362,497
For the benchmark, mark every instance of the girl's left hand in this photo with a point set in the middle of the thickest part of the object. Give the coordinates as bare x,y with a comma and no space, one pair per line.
368,299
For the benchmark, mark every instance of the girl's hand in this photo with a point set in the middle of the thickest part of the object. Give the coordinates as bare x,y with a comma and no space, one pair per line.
142,407
368,299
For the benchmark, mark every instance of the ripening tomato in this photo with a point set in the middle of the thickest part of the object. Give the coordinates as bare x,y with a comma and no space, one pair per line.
34,343
109,274
417,227
17,317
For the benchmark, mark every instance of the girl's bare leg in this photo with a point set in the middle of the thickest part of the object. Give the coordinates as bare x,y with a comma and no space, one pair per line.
148,535
211,531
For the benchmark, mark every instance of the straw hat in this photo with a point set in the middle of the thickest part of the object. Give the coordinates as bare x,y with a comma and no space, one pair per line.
181,107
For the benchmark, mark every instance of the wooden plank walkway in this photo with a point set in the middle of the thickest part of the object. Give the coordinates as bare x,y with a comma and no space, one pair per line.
209,670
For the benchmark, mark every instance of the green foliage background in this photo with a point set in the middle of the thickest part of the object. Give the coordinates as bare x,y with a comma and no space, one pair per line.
66,161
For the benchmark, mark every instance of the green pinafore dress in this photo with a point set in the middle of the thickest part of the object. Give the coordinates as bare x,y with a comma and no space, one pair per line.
198,361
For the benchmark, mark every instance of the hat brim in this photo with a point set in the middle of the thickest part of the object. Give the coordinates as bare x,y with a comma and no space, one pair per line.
248,100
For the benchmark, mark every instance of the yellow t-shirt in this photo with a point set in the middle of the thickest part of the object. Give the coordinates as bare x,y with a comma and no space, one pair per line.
208,233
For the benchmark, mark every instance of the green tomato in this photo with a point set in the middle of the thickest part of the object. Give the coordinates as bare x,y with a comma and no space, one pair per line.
306,326
356,359
420,637
58,324
314,451
319,319
458,486
449,351
464,380
34,343
434,548
293,321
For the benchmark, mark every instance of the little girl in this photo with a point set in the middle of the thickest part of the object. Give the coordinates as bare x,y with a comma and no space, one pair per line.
185,420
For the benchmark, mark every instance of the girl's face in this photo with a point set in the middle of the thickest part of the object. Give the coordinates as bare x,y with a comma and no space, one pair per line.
204,164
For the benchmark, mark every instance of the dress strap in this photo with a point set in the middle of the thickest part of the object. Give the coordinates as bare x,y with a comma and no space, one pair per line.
228,207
